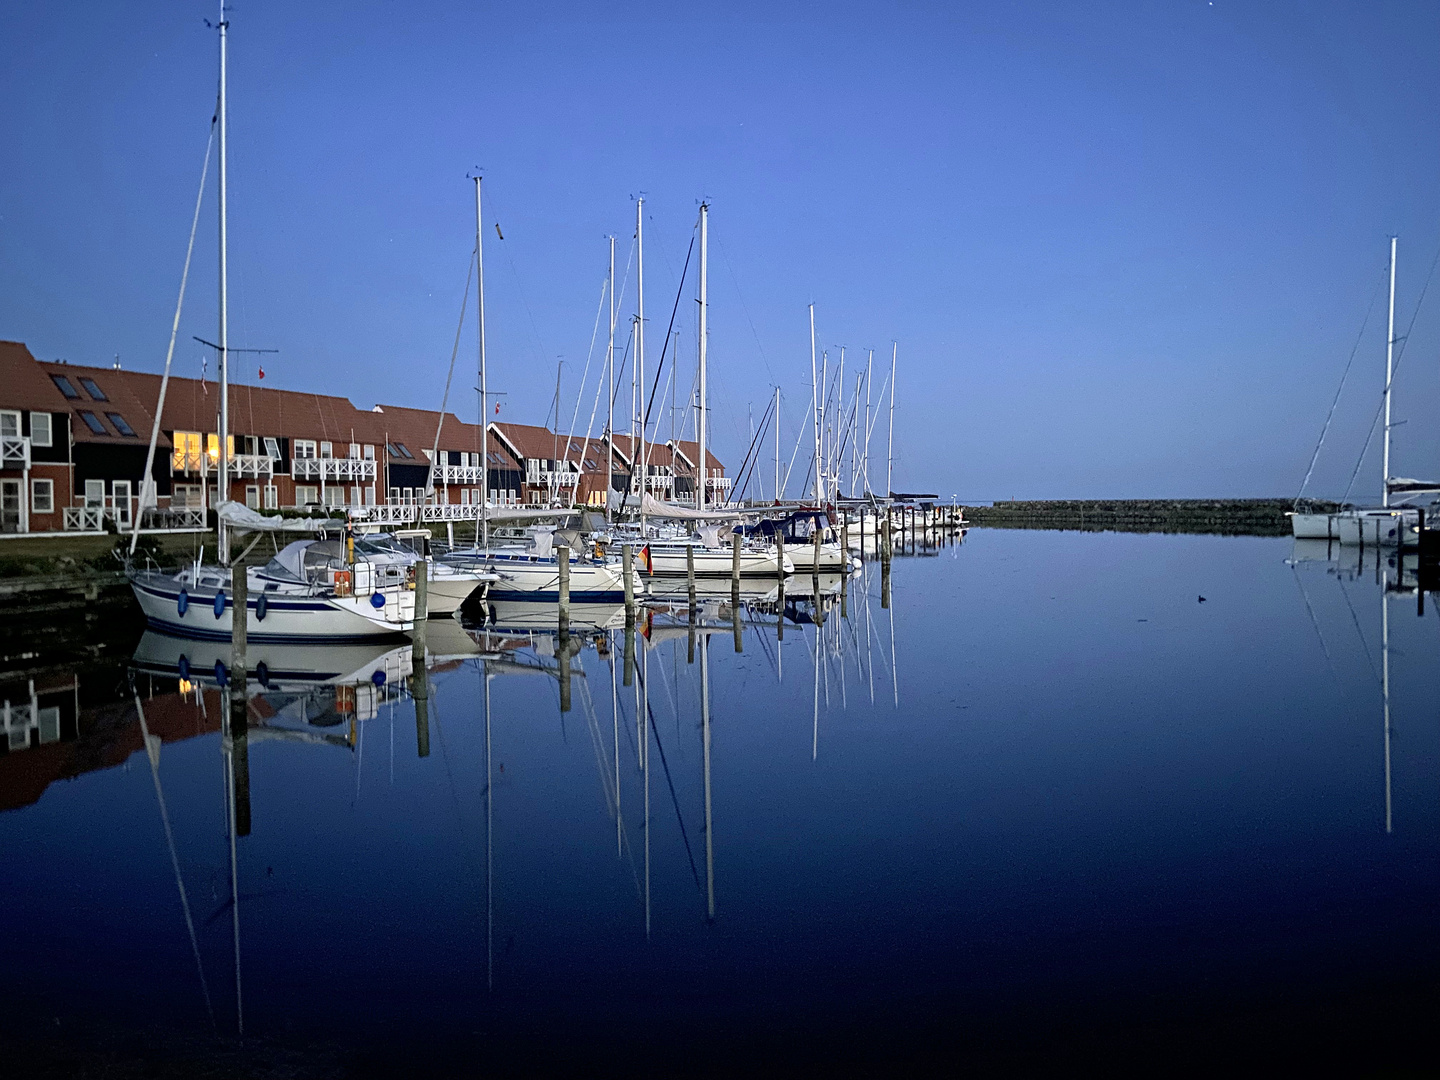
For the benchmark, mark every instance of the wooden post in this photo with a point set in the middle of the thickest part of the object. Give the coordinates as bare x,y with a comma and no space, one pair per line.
735,618
629,652
422,606
562,563
239,628
627,557
690,577
734,562
780,609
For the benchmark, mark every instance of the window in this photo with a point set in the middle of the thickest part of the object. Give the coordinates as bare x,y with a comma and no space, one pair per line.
42,496
409,496
369,451
272,448
495,458
186,457
9,424
40,434
591,463
93,422
327,450
120,425
94,492
252,496
305,448
186,497
335,496
354,451
212,446
306,494
464,496
394,496
272,496
391,448
370,495
49,718
65,387
404,451
94,391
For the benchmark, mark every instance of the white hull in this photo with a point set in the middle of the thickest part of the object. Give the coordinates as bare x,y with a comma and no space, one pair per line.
448,589
286,616
1377,528
670,560
1312,526
833,559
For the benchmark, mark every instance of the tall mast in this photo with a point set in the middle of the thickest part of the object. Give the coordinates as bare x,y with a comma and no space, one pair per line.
700,424
815,409
824,462
839,419
1389,375
484,386
777,444
890,450
639,448
865,457
224,479
610,408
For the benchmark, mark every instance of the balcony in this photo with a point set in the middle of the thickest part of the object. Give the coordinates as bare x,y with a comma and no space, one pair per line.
242,466
85,518
558,477
332,469
15,452
253,466
458,474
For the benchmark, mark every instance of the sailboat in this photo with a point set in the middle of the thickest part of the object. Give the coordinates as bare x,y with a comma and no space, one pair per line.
309,591
1385,525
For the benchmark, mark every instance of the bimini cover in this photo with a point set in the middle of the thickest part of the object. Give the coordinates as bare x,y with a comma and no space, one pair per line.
239,516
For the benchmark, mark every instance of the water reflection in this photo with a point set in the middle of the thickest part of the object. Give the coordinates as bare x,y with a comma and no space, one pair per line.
1084,757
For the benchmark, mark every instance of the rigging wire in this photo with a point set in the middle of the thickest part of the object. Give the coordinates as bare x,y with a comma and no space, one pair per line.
454,352
1380,285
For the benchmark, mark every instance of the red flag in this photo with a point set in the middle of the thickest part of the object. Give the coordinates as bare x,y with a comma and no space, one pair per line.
497,408
645,559
262,373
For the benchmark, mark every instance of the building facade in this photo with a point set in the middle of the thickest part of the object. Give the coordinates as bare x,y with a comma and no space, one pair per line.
74,440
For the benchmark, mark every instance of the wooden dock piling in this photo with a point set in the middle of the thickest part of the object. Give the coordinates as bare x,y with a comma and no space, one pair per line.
627,558
562,561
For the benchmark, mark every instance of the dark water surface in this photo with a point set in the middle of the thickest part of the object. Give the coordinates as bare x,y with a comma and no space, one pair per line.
1049,807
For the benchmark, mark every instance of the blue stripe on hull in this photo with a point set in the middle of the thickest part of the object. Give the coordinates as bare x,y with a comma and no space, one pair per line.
196,634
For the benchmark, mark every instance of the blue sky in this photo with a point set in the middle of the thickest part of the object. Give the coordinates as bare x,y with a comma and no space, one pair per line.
1126,249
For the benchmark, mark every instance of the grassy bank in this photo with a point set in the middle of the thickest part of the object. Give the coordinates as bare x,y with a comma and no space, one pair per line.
1226,517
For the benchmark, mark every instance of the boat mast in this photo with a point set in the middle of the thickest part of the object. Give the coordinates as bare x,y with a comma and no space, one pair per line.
815,407
484,386
777,444
1389,375
890,450
610,408
700,426
223,491
865,457
638,449
835,451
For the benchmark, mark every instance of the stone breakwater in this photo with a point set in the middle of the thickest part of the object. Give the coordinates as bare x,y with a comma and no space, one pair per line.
1226,517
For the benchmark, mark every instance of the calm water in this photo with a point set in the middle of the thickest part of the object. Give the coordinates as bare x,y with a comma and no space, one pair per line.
1048,797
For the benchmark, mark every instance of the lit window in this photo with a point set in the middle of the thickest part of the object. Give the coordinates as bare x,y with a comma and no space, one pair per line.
42,496
93,390
120,424
64,386
93,422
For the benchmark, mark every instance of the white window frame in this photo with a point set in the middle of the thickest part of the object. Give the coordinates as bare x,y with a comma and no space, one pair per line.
95,493
305,494
327,448
7,418
252,496
369,451
272,497
304,449
38,420
272,447
354,451
48,487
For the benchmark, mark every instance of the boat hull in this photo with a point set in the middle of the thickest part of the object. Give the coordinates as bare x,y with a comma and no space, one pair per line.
1312,526
1377,528
671,561
316,618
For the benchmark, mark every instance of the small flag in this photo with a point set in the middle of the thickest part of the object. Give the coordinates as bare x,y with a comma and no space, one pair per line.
204,363
262,373
497,408
649,622
645,559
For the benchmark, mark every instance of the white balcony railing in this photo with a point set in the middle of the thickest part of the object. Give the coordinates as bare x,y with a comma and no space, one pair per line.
84,518
14,452
332,469
458,474
252,465
388,514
